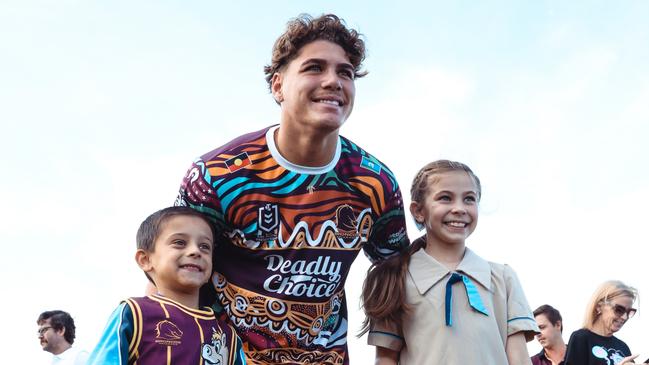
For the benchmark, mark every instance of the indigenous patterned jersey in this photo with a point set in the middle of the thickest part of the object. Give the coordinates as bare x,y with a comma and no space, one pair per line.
291,234
156,330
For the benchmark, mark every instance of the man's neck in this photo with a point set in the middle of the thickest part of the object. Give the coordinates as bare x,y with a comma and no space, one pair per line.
556,353
311,149
61,348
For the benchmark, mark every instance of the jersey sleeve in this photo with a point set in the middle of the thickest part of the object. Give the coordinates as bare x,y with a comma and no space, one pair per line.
519,314
386,334
197,191
113,345
240,357
388,235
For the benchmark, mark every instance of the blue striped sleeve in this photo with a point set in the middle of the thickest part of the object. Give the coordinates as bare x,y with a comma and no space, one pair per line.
240,356
112,348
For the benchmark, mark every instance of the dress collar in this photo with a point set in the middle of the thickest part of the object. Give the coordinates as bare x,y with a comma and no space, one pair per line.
426,271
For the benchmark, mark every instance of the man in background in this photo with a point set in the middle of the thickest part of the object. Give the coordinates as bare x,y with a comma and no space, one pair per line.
551,325
56,334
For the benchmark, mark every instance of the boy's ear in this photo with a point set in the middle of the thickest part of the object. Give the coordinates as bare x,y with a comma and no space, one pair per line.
276,87
143,260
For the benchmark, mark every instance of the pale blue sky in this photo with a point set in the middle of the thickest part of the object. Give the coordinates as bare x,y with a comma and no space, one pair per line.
104,104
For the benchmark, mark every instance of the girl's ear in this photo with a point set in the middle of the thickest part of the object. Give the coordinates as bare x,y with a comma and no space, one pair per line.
143,260
417,214
276,87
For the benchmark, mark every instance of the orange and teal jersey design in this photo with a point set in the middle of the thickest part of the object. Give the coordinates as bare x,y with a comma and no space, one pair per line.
157,330
289,236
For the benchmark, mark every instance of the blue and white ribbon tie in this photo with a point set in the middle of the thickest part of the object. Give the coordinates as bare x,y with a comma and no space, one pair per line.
471,292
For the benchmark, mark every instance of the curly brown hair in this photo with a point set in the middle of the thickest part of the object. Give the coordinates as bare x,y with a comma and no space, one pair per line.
305,29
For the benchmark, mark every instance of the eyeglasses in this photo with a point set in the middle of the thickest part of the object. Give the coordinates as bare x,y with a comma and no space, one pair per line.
42,330
621,310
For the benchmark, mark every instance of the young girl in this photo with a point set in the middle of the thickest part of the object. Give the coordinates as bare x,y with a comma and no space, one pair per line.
438,302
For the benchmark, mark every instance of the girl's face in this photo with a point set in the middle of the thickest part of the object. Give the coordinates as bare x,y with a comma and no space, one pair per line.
614,314
450,207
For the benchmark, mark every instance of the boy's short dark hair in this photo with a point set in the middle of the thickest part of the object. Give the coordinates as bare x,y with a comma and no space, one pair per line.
59,320
551,313
150,229
305,29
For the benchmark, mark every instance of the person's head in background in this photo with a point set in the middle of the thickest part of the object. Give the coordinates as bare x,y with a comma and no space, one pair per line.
550,323
610,306
56,331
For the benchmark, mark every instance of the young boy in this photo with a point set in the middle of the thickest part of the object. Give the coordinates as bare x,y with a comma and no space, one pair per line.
174,249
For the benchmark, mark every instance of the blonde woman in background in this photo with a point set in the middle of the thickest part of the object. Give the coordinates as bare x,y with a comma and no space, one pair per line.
608,310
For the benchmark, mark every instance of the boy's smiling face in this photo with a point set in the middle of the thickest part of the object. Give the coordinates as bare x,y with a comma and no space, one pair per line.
181,260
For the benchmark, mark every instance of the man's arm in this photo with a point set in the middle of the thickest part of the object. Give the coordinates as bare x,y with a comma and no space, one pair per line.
196,191
388,235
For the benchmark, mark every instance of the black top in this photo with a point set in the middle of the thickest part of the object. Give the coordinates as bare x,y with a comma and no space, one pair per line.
588,348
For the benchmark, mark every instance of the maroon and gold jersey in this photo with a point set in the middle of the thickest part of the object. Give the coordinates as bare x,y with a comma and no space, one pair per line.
156,330
290,235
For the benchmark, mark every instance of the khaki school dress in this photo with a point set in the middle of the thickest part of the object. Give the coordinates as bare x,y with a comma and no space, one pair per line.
472,337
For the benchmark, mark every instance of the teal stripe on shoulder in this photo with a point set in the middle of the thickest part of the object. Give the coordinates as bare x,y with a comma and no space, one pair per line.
387,334
519,318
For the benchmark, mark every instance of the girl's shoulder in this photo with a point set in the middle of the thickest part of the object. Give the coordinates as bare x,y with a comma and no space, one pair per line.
501,269
498,270
503,274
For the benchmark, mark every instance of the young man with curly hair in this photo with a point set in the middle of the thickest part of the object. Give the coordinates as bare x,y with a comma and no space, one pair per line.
297,202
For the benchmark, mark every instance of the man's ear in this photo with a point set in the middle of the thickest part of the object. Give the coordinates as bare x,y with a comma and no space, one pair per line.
276,87
143,260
